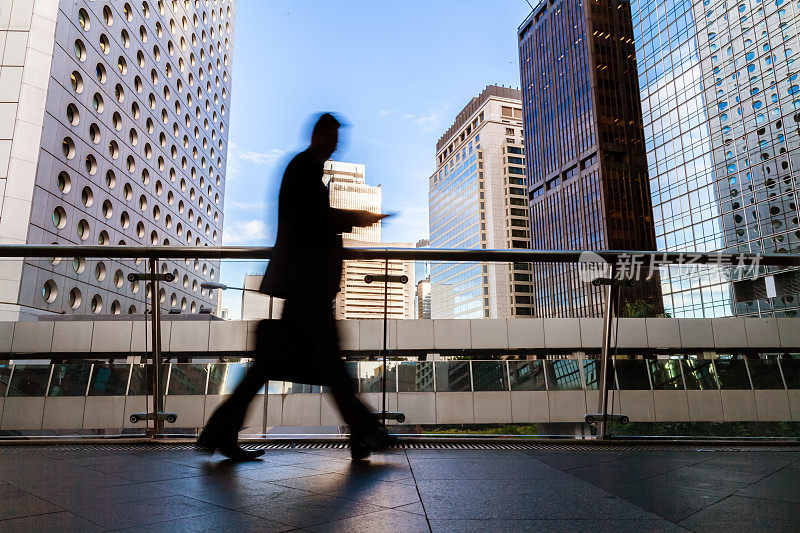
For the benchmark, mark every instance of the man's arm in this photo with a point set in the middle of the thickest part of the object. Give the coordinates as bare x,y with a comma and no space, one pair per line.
344,220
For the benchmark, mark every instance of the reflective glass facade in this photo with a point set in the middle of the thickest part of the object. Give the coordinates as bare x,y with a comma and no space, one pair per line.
587,174
478,200
721,103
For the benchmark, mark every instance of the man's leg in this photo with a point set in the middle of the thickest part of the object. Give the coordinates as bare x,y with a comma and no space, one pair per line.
230,415
366,434
222,429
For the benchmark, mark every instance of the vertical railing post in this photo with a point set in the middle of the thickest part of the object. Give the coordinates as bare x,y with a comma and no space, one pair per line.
385,333
608,318
155,317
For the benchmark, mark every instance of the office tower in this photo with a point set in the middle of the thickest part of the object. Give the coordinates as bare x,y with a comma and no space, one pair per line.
113,130
720,105
424,298
586,165
422,268
478,199
358,299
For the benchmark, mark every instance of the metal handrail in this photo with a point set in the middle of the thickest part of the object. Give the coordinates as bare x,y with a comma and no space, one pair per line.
417,254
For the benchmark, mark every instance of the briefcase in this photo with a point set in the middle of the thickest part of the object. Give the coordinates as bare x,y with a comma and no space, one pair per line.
288,356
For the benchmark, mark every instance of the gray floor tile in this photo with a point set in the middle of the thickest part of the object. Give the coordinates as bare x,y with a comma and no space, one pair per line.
390,521
699,480
229,491
673,503
312,510
276,473
632,468
142,512
61,522
142,471
73,497
783,485
25,504
475,468
556,497
415,508
566,526
222,520
353,487
746,514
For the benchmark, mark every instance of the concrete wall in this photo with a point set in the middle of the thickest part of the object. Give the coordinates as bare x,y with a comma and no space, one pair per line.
690,335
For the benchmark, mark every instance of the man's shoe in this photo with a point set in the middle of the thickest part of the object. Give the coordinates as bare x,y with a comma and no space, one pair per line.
209,443
376,440
235,452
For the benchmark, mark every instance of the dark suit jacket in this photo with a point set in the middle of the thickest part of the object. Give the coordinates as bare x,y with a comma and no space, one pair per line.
307,258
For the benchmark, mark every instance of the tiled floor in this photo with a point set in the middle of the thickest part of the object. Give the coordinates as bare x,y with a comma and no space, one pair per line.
171,488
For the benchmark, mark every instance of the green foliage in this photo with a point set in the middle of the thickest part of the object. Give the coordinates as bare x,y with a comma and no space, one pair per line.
643,309
483,429
707,429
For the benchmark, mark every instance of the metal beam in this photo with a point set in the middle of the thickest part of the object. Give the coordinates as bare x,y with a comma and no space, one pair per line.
431,254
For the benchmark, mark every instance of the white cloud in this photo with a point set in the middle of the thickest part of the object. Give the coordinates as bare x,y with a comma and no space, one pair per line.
270,157
237,155
244,232
427,120
385,112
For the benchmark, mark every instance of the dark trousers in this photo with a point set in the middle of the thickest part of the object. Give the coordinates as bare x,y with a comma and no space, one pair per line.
302,347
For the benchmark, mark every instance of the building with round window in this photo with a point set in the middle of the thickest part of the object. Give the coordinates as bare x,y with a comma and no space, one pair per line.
118,136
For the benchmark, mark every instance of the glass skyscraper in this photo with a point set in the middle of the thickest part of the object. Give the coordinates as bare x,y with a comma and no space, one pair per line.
586,165
721,108
477,199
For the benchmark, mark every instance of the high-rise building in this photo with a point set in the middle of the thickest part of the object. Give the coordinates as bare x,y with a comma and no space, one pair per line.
113,130
422,268
478,199
720,103
424,298
358,299
586,164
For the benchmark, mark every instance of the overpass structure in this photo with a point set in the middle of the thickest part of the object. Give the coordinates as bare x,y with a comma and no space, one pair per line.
71,376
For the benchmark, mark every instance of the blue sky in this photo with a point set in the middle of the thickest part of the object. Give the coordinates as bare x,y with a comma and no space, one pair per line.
396,72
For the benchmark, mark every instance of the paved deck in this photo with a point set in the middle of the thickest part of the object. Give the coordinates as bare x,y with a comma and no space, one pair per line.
86,488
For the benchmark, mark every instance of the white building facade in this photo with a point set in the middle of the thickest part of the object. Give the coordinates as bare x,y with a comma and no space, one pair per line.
478,200
113,130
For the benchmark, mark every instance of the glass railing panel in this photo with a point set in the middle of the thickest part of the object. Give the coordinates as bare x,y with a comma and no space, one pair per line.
527,375
699,374
732,374
70,379
489,376
29,380
187,379
5,375
370,376
452,376
415,376
791,373
632,374
563,374
216,378
236,372
141,382
591,373
765,374
109,380
666,375
301,388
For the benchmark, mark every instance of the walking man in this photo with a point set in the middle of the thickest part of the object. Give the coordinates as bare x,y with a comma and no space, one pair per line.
305,269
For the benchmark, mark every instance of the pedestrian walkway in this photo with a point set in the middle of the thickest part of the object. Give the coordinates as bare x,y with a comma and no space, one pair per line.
534,488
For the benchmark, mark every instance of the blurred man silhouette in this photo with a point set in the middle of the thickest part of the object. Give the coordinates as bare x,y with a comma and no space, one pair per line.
305,269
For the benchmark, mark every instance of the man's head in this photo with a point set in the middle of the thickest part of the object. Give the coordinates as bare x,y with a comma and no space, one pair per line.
325,135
